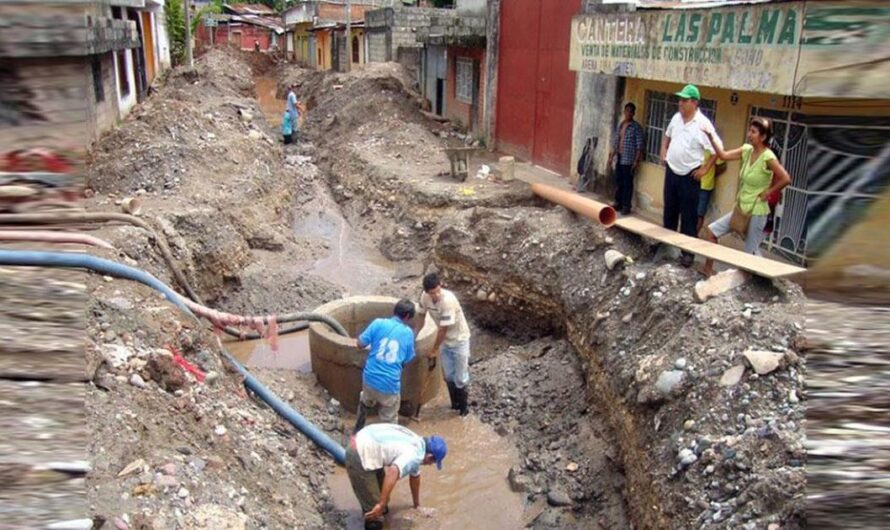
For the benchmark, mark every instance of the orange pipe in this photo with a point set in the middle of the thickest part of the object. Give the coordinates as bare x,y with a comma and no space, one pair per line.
597,211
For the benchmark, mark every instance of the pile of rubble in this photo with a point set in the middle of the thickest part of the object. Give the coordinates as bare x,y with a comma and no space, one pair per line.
176,441
705,399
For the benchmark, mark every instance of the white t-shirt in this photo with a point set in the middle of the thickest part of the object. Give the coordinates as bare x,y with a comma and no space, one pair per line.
387,444
449,314
688,142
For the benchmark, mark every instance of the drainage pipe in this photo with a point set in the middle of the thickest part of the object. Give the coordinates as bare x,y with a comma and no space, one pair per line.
32,258
302,318
597,211
81,217
48,236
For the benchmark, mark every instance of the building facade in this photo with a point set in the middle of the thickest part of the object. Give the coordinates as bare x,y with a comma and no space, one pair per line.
78,67
814,68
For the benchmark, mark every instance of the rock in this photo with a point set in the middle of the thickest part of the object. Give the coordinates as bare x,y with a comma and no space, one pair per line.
686,457
168,375
680,364
669,381
135,465
481,295
518,482
613,259
255,134
182,493
220,430
608,240
169,469
211,377
166,481
763,362
732,376
137,381
120,524
120,303
627,318
572,467
689,425
184,450
792,397
719,283
558,497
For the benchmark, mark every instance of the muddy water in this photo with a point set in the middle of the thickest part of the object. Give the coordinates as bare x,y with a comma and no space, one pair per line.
272,107
349,264
292,354
471,490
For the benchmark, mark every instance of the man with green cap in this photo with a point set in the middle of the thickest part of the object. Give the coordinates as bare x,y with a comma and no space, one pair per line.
682,152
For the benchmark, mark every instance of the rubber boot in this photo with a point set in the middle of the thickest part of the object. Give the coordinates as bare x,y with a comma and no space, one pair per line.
360,417
462,395
452,393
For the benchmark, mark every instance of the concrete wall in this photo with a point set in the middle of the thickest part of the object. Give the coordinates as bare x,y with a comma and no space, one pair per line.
51,103
377,48
492,41
596,99
858,264
471,7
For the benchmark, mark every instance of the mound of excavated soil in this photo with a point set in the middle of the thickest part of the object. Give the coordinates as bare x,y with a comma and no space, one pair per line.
699,448
169,451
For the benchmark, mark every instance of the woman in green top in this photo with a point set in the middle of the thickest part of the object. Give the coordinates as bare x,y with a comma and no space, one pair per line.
761,175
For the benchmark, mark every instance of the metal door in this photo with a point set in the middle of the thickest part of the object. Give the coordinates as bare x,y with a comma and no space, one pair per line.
536,89
832,180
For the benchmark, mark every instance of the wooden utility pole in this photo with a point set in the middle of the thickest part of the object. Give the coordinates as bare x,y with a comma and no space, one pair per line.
188,33
348,35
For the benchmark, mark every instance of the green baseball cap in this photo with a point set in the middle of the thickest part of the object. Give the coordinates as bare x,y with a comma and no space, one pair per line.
689,92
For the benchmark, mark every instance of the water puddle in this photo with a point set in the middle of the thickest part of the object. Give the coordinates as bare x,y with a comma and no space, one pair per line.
359,270
292,354
273,108
471,490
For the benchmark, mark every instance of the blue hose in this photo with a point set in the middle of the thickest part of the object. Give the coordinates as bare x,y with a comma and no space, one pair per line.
31,258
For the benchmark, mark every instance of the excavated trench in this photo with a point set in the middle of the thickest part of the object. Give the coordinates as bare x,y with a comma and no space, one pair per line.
494,453
572,425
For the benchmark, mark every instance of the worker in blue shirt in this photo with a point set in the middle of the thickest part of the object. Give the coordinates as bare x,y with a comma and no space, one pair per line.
391,343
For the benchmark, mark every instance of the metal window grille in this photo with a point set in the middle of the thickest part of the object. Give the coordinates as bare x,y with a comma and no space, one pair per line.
660,108
464,80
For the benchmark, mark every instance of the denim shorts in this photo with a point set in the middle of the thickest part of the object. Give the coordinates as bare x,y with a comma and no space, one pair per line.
704,200
753,238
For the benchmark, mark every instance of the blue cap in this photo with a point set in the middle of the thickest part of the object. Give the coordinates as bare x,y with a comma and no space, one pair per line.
437,447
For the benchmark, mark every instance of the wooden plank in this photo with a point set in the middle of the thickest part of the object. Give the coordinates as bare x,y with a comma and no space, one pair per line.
755,264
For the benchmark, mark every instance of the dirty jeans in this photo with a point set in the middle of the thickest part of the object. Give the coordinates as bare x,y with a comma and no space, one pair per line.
389,403
456,363
365,484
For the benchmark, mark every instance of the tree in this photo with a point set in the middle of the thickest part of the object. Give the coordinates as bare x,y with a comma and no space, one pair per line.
215,7
176,30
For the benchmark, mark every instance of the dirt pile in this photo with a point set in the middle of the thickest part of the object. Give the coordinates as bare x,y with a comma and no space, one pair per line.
699,447
201,156
175,450
169,451
384,158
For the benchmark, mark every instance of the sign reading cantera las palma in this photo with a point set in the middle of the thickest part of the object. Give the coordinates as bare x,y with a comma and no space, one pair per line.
750,47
